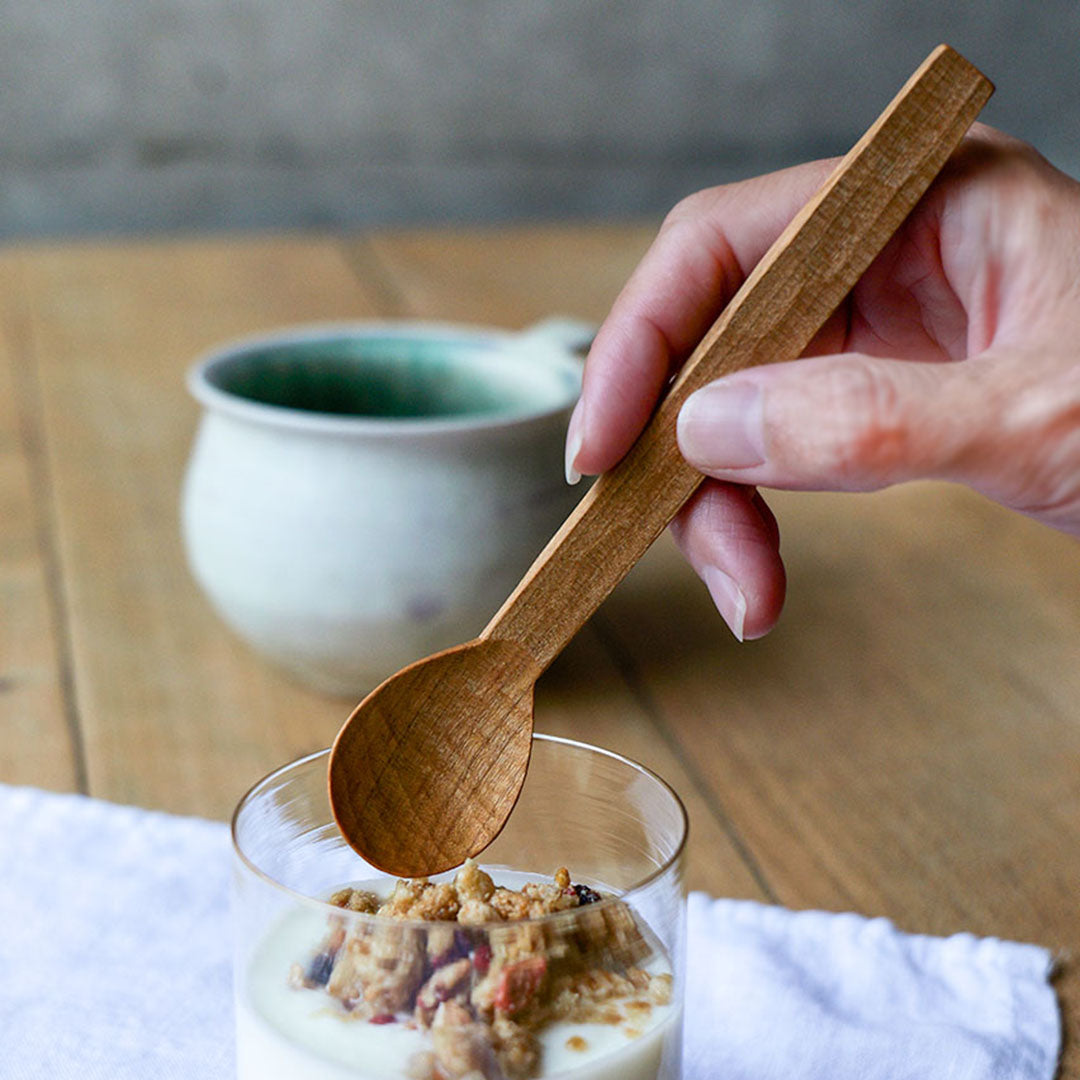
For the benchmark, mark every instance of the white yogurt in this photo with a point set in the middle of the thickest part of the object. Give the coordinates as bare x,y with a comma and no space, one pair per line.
287,1033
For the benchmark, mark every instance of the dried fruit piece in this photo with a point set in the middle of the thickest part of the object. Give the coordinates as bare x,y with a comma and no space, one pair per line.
518,984
318,972
481,959
448,982
586,895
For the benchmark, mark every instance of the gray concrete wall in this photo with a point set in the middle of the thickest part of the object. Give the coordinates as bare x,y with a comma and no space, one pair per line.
137,115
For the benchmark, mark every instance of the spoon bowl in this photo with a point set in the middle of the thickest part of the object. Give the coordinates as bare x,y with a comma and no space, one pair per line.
423,732
428,767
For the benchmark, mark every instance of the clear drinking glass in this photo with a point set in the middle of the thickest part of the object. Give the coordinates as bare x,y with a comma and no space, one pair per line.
593,992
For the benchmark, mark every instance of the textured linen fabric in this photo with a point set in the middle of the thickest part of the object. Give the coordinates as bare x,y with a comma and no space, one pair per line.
814,995
115,964
115,958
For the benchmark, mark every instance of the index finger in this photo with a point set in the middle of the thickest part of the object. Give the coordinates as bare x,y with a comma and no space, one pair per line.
705,248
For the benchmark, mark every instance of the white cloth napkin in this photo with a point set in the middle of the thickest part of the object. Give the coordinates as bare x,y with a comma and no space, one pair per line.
115,964
819,996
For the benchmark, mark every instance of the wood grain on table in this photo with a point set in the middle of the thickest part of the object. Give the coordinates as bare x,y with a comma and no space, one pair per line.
906,743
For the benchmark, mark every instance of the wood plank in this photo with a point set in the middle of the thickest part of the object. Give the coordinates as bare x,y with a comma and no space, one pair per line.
505,277
910,731
584,696
176,713
39,744
906,743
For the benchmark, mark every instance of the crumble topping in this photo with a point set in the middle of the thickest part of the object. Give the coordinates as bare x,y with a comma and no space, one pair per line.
481,980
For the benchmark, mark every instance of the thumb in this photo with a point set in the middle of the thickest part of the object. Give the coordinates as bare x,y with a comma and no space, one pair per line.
847,422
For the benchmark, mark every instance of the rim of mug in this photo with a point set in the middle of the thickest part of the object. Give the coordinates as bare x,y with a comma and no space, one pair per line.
213,398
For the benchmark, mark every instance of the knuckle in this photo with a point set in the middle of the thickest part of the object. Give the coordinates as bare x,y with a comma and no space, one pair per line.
868,442
696,228
1041,435
691,209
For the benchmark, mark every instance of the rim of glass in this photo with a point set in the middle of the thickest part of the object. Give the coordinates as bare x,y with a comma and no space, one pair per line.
213,398
325,905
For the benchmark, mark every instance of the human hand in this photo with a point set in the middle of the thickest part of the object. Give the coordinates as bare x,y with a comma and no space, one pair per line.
956,356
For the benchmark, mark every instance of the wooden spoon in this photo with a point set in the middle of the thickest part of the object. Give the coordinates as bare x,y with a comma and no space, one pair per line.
428,767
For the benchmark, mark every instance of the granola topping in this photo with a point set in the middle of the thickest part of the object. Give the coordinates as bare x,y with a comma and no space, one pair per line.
485,978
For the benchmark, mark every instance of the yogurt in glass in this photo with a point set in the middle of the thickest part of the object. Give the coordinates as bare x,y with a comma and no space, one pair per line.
601,1008
484,974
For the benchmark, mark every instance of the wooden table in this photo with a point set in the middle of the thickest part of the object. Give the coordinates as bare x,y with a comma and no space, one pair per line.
906,743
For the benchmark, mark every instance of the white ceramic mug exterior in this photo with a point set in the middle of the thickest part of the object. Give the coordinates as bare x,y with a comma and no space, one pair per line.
343,547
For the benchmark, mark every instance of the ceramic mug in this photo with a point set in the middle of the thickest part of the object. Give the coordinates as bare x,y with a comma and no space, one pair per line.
360,496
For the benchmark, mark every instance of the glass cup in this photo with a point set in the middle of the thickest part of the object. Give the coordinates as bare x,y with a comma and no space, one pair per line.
590,989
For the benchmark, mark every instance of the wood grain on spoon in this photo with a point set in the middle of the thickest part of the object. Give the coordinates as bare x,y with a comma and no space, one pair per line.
428,767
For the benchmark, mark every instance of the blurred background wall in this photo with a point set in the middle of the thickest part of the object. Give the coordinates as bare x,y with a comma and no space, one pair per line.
147,115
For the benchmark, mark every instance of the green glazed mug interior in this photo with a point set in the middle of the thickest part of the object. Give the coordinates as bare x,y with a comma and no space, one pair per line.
395,375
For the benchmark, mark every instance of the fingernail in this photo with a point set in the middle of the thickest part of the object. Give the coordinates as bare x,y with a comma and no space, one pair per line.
574,438
728,598
722,426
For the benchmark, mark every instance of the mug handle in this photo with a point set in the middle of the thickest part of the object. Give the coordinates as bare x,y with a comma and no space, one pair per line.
561,331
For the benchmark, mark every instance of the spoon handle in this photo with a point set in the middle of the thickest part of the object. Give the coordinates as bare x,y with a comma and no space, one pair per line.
784,301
